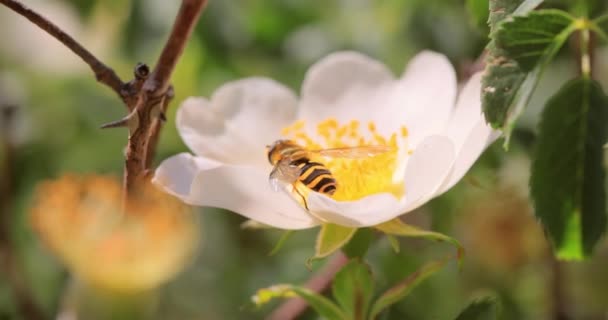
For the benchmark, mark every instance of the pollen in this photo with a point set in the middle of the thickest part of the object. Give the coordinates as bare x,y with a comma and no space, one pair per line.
357,176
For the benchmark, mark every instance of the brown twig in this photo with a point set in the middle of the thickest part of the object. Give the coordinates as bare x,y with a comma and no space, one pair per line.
152,98
155,130
318,283
103,73
26,304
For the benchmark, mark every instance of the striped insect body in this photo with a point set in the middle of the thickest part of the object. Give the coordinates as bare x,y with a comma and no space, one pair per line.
293,166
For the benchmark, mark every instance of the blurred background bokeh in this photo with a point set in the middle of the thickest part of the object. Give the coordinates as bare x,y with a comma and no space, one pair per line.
52,108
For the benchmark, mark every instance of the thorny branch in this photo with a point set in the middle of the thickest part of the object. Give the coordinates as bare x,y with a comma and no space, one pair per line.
143,122
155,130
146,96
103,73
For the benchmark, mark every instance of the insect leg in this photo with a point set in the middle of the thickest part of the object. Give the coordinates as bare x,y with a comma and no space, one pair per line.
303,198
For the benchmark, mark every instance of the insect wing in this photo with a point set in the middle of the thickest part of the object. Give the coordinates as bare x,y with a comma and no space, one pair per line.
354,152
283,174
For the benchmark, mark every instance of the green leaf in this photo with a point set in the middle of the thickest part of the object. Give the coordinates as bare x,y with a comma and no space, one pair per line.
501,81
485,308
567,182
500,9
599,25
526,6
360,242
535,36
402,289
522,47
399,228
332,237
323,306
353,288
502,76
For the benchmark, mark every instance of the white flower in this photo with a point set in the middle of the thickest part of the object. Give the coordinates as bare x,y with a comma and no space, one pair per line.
347,99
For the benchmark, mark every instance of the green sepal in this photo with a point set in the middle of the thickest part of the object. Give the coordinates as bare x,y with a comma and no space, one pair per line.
331,237
397,227
394,242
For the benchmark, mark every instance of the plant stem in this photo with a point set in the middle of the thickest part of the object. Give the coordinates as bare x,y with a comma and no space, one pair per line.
318,283
558,300
585,54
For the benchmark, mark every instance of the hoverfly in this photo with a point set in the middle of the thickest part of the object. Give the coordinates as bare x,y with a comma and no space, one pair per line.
292,163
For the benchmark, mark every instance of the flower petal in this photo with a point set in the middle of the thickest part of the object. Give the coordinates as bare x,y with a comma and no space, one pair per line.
176,174
368,211
350,86
241,189
422,99
339,85
425,171
479,138
467,112
469,131
240,120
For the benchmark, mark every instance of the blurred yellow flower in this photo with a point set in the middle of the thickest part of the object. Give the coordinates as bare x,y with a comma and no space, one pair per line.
82,221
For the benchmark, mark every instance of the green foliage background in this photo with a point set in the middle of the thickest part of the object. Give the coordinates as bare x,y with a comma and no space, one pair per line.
61,108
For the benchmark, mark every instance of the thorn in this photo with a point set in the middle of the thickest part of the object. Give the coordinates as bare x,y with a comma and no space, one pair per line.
124,122
131,121
170,92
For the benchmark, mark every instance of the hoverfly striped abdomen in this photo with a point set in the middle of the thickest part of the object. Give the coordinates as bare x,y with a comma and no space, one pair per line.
316,177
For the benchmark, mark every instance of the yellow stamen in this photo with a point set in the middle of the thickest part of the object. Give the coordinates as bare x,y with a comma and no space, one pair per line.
360,177
404,132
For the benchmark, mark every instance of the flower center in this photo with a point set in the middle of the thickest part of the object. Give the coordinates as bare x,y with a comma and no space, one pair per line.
359,176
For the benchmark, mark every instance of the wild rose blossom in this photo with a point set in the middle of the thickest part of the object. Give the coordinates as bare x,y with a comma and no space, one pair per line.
82,221
347,99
